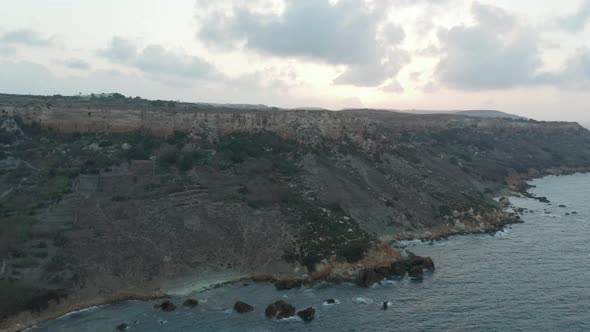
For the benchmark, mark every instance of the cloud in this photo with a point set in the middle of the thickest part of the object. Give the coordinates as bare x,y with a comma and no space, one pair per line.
261,86
495,53
7,50
374,74
27,37
159,62
341,33
74,63
156,59
574,74
120,49
393,87
577,21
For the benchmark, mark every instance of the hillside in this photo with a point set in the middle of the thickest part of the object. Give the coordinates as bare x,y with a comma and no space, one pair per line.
106,196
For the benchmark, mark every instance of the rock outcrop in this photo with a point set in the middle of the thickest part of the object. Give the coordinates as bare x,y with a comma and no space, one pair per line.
307,314
243,307
287,284
167,306
190,303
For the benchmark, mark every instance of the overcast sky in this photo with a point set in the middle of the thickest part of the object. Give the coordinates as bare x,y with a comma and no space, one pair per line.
527,57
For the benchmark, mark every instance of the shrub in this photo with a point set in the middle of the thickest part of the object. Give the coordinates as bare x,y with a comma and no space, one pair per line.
57,263
310,262
26,262
39,254
60,240
105,144
353,251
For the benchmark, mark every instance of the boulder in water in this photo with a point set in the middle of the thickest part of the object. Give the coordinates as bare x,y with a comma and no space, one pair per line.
330,301
243,307
122,327
271,311
190,303
166,306
284,309
307,314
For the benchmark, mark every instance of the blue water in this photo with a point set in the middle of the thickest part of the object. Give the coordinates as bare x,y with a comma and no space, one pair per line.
531,277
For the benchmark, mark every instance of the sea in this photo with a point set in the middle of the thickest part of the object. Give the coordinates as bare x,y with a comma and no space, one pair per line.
533,276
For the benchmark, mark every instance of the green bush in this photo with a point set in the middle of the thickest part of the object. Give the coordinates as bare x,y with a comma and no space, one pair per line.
104,144
57,263
60,240
26,262
353,251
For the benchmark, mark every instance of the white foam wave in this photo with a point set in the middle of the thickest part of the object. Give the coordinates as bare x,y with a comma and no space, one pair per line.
362,300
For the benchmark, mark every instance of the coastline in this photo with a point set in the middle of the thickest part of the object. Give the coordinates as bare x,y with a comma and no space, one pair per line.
515,184
26,320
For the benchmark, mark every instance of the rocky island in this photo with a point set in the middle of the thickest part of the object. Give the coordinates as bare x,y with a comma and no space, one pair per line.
107,199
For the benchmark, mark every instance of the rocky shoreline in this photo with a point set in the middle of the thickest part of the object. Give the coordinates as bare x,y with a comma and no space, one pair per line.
25,321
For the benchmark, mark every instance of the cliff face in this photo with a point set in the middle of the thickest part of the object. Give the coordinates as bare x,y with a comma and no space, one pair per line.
300,125
100,197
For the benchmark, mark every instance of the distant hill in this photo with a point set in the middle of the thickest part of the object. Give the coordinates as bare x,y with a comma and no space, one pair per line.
472,113
491,114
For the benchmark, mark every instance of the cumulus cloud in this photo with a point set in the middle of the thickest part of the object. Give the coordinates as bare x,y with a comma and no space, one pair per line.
159,62
577,21
119,49
27,37
341,33
495,53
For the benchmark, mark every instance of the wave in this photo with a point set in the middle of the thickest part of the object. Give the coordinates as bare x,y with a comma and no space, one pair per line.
362,300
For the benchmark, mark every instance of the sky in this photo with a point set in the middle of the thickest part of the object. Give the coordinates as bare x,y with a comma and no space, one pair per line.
526,57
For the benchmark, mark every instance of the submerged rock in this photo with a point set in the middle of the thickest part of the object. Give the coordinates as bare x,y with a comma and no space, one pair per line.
190,303
243,307
330,301
166,306
307,314
122,327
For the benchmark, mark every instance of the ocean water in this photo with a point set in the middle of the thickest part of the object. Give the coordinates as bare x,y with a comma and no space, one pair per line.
530,277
